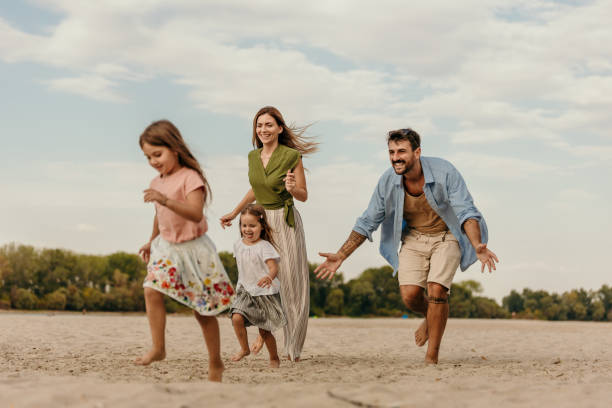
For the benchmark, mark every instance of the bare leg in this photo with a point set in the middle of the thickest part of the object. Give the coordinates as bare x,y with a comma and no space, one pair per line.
241,334
259,342
270,341
415,300
156,312
437,315
210,329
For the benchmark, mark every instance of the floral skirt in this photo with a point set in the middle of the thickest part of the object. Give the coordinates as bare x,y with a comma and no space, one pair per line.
263,311
190,273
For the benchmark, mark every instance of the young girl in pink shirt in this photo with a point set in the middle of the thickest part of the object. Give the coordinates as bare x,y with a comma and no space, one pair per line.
182,261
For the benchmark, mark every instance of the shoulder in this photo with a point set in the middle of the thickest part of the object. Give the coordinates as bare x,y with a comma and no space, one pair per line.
156,180
254,153
289,152
389,177
437,167
267,250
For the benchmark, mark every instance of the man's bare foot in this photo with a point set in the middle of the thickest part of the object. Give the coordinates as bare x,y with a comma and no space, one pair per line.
151,356
275,363
421,335
239,355
256,347
215,373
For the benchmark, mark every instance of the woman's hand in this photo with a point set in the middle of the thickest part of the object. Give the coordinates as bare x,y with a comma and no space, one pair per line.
290,182
226,220
145,252
265,282
151,195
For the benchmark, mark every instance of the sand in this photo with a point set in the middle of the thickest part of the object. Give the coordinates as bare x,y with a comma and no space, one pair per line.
75,360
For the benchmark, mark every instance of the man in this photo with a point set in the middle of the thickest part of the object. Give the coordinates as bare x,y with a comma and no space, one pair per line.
423,203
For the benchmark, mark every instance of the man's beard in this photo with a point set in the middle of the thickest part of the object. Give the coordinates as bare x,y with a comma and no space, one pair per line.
406,170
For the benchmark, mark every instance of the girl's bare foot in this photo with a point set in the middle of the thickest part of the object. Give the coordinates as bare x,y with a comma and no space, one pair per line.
275,363
257,346
239,355
431,361
151,356
215,373
420,335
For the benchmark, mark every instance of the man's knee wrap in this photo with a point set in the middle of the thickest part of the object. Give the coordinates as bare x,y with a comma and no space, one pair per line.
437,300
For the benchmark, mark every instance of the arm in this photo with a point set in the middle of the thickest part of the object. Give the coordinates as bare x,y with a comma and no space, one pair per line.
248,198
192,208
486,256
145,250
295,182
266,281
333,261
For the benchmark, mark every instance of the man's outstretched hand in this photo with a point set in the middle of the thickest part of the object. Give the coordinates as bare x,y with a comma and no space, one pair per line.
328,269
487,257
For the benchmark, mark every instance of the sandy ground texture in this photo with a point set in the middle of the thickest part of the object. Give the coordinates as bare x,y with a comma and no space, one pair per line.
75,360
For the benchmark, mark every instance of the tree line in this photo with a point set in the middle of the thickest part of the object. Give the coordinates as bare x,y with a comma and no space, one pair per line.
56,279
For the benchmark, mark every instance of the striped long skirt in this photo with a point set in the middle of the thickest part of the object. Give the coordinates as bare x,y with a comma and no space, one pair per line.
294,279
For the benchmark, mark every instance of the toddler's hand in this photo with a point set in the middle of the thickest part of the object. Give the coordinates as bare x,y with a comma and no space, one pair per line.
151,195
145,252
265,282
226,220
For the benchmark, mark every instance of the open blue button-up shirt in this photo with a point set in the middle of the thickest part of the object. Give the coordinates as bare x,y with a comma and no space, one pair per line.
447,195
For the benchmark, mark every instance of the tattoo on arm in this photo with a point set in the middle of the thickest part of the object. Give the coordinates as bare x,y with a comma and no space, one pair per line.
351,244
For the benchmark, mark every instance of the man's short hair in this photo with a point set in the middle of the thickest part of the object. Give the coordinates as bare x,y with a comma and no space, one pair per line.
405,134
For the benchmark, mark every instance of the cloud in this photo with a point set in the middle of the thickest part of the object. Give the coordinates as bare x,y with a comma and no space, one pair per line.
91,86
499,167
489,67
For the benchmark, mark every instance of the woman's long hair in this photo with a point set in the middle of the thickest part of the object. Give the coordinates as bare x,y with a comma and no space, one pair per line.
164,133
259,212
291,136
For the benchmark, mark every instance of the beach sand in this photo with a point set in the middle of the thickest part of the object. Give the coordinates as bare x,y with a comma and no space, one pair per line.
75,360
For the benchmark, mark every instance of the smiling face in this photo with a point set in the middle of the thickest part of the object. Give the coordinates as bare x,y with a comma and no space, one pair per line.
250,228
267,129
403,158
161,158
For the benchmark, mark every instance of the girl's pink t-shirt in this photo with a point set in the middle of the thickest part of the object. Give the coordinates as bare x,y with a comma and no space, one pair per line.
176,186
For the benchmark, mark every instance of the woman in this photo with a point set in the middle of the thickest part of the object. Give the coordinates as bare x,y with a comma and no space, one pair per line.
276,175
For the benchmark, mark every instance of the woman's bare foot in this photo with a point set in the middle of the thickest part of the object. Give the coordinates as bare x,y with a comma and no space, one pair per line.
296,360
257,346
239,355
275,363
151,356
215,373
420,335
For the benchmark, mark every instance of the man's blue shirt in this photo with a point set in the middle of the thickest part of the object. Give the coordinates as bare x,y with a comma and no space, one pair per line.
447,195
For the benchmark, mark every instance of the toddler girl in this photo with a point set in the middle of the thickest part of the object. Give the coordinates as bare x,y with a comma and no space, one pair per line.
257,302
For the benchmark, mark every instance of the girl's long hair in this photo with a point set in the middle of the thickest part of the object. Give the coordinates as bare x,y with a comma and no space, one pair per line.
259,212
164,133
291,136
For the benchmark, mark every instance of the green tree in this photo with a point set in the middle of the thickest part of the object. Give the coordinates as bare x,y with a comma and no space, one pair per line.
334,304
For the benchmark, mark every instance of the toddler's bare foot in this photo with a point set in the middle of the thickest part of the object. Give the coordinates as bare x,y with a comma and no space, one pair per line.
275,363
239,355
421,335
215,372
256,347
151,356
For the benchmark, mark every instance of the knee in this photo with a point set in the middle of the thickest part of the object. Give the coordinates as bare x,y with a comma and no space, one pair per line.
437,291
412,300
152,294
264,333
237,320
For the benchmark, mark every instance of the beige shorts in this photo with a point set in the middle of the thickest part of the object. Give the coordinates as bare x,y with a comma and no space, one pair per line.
427,258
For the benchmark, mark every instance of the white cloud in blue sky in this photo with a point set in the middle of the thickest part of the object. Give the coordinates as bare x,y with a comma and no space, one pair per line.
516,94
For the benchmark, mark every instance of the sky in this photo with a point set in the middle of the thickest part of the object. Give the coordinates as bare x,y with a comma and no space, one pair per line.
516,94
